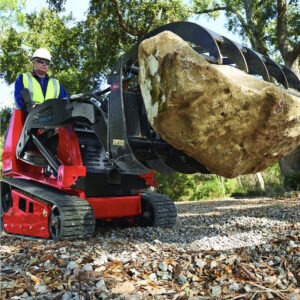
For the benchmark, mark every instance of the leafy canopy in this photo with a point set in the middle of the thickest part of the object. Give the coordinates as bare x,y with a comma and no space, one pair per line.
84,52
271,26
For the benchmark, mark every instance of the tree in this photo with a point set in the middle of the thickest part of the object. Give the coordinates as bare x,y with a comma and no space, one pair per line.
271,26
48,30
113,27
11,12
84,53
10,16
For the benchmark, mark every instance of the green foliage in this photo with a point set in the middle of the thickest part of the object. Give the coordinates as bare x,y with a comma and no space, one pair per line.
57,5
5,115
110,31
211,187
273,180
268,25
292,181
14,58
181,187
11,12
47,30
83,52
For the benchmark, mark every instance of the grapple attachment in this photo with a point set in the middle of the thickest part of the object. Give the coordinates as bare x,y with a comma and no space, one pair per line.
216,49
220,50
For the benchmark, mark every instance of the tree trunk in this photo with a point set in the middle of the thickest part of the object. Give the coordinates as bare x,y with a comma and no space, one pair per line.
261,181
290,164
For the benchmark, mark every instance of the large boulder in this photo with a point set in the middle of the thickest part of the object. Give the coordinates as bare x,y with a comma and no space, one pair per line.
231,122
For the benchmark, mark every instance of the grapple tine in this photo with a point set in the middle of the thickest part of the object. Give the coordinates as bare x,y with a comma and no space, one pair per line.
231,52
218,49
256,63
275,70
200,37
292,79
179,162
159,166
234,53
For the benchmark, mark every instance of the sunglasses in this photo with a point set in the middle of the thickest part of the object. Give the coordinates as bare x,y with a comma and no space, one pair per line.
42,61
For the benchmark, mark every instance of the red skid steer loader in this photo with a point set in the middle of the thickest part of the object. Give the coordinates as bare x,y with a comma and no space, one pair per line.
70,162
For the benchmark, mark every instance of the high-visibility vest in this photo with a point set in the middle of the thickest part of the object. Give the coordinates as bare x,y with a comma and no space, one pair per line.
35,89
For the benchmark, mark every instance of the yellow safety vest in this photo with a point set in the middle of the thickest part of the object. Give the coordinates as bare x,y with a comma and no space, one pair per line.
35,89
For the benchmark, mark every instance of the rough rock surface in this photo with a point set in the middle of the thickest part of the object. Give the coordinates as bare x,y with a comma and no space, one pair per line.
231,122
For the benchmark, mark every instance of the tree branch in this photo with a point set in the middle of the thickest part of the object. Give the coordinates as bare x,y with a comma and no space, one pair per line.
296,51
123,24
228,9
289,53
253,29
282,33
207,11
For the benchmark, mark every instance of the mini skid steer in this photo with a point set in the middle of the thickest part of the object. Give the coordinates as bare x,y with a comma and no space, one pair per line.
69,163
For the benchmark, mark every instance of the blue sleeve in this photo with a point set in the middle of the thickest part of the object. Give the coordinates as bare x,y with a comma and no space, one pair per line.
18,88
62,93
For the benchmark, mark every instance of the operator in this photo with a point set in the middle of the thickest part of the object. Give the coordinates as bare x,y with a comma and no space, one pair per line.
41,87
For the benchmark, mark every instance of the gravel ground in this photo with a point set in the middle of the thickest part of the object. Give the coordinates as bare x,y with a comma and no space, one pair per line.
219,249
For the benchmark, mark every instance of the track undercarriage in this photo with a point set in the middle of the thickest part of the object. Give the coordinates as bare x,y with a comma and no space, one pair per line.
34,210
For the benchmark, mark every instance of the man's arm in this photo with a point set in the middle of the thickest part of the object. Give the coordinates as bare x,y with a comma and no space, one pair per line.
62,93
18,88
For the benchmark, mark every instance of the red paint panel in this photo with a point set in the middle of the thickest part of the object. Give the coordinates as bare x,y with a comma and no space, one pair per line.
27,217
116,207
67,175
68,147
9,160
149,178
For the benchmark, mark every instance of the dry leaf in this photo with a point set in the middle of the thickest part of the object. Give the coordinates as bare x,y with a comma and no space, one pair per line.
33,277
124,288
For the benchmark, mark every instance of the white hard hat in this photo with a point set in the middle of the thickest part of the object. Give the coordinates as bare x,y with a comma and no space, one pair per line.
42,53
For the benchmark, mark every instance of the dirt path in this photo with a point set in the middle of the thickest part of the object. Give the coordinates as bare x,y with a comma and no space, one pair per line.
222,249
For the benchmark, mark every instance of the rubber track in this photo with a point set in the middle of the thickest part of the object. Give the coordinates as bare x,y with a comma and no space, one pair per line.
77,216
164,209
